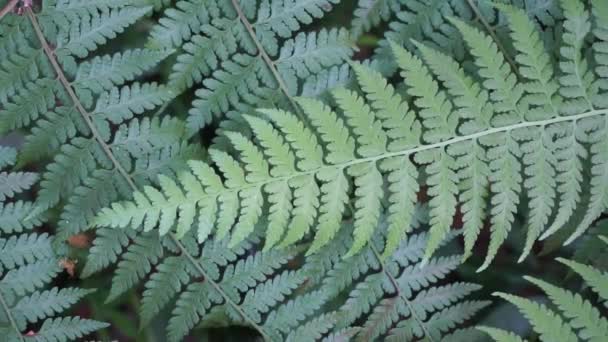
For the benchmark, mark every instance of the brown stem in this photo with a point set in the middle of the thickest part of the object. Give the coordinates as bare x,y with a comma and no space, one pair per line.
9,7
72,94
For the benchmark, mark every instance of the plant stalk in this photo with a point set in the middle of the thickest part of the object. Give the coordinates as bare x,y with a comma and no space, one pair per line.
107,150
9,7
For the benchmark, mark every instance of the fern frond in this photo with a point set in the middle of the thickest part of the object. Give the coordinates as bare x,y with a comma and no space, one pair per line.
40,305
581,313
179,23
600,13
23,249
548,324
416,306
83,115
67,329
22,110
145,251
594,278
370,13
87,33
15,182
577,318
103,72
577,77
8,156
119,105
369,139
27,279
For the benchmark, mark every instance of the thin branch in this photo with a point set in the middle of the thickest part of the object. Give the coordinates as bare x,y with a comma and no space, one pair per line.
492,34
10,317
9,7
398,291
218,288
72,94
264,55
107,150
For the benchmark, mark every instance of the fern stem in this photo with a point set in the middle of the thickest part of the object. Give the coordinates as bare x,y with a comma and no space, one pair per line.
87,117
8,8
492,34
72,94
396,286
266,58
10,317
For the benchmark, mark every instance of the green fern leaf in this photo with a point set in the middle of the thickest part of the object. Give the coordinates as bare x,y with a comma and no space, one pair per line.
103,72
472,138
596,279
577,318
581,313
40,305
119,105
67,328
85,35
15,182
501,335
136,263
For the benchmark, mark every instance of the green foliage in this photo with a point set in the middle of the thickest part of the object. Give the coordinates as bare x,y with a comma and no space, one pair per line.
280,295
428,22
85,115
28,265
295,222
241,55
572,318
467,135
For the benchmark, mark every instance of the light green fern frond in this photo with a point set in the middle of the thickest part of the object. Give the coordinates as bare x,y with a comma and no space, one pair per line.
463,132
574,317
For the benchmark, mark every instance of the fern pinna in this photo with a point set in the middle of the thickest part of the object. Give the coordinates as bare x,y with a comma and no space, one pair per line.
473,139
427,21
241,55
285,296
576,318
28,265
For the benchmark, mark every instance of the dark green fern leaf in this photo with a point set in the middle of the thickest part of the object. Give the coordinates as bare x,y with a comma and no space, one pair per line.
240,55
28,265
87,113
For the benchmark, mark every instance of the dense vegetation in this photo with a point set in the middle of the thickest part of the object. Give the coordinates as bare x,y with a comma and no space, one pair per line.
304,170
